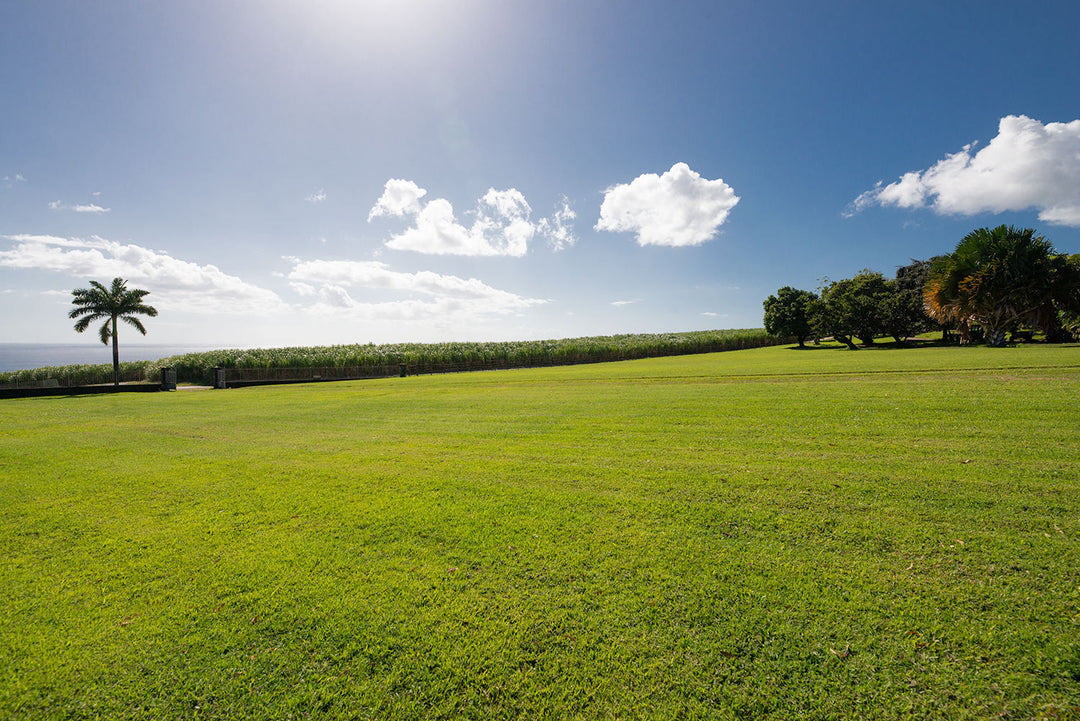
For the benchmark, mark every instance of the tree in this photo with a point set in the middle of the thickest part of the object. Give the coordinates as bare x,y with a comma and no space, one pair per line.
901,313
788,313
110,304
998,278
1059,318
906,311
853,308
1069,323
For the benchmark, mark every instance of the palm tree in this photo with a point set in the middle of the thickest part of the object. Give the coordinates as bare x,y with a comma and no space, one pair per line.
110,304
997,278
943,299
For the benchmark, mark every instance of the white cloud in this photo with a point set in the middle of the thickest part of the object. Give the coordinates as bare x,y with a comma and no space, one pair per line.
48,240
678,208
434,295
317,197
1027,165
400,197
507,203
11,181
438,232
620,303
501,224
176,284
559,229
79,207
335,296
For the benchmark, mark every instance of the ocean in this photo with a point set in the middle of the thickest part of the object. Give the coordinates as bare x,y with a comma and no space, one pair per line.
23,356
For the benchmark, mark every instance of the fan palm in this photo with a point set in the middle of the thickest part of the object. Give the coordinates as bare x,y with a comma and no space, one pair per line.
996,278
111,305
942,297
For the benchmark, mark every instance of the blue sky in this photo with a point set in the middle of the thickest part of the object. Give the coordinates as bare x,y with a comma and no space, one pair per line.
282,173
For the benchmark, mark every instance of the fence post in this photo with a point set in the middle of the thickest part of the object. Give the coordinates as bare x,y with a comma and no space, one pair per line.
168,379
219,377
402,371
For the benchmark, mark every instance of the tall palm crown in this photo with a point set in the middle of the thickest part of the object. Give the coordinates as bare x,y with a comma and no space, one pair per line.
110,304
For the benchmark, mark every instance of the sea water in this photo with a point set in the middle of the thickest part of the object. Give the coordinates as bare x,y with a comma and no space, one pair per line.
23,356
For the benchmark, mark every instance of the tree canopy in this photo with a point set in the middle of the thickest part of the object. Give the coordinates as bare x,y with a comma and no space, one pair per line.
788,313
853,308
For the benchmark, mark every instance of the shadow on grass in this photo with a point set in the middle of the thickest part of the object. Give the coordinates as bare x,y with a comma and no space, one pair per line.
830,345
910,343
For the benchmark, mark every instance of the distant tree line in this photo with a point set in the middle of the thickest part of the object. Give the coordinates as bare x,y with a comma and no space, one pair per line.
996,281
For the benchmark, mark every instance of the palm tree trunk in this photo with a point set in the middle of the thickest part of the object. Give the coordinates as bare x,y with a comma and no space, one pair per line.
963,328
115,355
996,337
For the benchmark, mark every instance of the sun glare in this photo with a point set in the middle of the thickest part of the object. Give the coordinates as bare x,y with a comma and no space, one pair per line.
414,26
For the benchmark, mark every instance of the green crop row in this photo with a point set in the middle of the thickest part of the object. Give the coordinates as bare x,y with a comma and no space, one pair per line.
417,357
433,357
82,375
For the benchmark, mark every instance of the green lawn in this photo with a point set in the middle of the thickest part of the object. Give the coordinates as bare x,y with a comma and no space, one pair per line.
753,534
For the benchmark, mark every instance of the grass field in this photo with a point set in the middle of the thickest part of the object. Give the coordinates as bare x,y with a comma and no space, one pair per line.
768,533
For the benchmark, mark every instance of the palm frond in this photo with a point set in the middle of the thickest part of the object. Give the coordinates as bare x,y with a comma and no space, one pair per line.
134,322
85,321
141,309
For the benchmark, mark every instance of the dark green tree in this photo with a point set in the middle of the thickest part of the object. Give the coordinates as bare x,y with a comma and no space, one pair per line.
853,308
907,311
1069,324
1060,318
111,305
788,313
901,313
